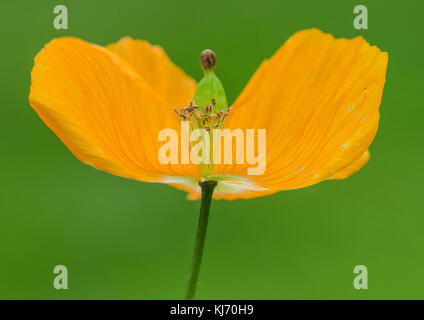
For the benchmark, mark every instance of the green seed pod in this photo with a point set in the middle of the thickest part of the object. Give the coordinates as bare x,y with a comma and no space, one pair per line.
210,87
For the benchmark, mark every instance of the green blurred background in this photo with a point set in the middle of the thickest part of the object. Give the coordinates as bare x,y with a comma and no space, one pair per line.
130,240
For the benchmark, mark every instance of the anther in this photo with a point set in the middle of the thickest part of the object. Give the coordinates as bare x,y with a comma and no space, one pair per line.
198,115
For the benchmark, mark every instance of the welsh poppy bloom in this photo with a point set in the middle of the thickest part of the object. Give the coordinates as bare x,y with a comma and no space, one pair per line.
317,97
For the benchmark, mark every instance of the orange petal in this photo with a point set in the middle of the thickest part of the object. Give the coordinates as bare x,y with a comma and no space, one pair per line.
352,168
105,113
318,98
153,65
226,189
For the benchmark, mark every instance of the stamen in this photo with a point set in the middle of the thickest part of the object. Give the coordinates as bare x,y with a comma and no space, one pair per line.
198,115
208,120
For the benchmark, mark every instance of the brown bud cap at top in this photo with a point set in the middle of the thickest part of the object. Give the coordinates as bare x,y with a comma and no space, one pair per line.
207,59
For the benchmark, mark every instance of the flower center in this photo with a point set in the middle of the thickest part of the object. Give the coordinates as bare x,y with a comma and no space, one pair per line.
205,115
206,122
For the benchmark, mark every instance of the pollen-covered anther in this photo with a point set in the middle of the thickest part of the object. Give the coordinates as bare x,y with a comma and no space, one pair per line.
198,115
209,108
187,112
208,119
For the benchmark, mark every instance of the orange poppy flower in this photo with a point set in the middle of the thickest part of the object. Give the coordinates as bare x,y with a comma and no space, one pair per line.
317,97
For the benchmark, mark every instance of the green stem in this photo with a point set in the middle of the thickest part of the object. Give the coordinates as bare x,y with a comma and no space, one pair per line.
207,191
